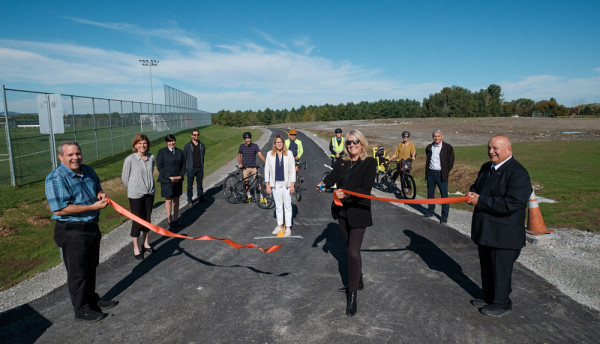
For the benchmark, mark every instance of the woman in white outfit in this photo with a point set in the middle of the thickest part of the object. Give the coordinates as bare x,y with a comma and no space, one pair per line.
280,176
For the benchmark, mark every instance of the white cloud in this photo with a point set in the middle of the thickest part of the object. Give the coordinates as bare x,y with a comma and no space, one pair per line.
566,91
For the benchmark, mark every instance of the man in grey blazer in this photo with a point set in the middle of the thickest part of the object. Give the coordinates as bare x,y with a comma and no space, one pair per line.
500,195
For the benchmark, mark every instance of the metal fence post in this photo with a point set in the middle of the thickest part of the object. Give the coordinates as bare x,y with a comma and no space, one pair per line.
95,129
13,179
112,145
74,122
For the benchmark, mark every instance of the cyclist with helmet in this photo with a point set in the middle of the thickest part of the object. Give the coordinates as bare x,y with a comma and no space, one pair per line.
294,144
336,146
406,149
247,159
382,160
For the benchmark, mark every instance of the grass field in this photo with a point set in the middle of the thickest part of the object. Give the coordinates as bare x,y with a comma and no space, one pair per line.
26,232
31,150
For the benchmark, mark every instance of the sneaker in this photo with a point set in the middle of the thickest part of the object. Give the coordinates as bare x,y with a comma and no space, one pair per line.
263,200
288,231
249,199
89,315
277,230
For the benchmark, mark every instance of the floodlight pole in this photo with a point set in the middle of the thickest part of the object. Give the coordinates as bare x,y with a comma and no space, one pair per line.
150,63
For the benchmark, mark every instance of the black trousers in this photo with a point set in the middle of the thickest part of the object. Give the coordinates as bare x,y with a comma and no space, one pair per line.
198,174
141,207
354,238
80,244
496,273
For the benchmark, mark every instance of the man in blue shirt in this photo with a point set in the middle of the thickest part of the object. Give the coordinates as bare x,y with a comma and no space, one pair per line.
75,198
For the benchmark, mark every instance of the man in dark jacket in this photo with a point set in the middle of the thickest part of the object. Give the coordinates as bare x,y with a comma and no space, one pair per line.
500,196
440,160
193,152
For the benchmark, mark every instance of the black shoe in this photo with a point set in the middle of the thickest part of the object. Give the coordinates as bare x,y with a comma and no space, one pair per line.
147,249
479,303
351,306
139,256
190,202
496,310
444,221
361,286
89,315
106,304
427,215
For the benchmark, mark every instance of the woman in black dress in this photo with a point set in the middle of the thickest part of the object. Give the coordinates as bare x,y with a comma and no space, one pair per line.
354,172
170,164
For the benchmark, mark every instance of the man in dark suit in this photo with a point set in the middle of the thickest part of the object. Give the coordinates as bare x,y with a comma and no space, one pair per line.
440,160
500,196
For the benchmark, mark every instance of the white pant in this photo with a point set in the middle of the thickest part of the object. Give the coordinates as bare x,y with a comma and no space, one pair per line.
283,200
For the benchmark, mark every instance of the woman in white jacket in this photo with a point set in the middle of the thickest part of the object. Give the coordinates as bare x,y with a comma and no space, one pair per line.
280,176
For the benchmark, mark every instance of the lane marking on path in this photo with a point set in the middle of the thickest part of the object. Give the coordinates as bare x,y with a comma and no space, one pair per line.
276,237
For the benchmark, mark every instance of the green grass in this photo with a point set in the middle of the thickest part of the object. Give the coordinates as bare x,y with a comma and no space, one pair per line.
566,172
32,248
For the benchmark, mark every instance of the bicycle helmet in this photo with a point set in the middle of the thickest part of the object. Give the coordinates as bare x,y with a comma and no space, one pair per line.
380,148
293,132
247,134
338,130
406,133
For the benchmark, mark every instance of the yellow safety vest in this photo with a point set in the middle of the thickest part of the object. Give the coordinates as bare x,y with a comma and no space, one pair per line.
337,148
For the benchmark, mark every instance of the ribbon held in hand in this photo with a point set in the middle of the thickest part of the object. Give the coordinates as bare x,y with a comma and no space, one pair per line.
165,232
337,201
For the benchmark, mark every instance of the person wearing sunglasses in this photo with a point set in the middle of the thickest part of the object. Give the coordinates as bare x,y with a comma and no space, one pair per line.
194,164
354,172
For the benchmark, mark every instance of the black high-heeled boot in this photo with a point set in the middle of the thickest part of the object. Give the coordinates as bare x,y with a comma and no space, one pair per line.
351,306
361,286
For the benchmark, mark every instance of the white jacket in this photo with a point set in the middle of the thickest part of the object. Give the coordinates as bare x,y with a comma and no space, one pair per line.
289,169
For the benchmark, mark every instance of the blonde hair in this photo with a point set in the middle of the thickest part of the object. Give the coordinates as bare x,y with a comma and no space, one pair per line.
363,145
284,149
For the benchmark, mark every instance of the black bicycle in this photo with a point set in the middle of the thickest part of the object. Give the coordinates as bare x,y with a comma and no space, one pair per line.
235,191
398,178
299,180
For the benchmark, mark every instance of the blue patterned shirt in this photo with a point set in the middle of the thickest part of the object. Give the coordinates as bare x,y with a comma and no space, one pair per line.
64,187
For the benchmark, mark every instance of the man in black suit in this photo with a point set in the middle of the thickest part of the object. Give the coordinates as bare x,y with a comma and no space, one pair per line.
500,196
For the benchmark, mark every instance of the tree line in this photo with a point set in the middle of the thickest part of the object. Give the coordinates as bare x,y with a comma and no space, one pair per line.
452,101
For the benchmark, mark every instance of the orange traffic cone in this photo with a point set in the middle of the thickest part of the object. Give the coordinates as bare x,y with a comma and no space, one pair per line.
535,222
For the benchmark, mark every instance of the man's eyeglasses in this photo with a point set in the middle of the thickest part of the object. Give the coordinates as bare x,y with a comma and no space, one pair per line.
349,142
194,134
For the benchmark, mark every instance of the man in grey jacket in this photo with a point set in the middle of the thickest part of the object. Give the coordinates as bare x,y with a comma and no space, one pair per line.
193,152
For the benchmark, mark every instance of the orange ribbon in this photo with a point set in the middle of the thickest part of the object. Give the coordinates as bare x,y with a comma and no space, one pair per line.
337,201
165,232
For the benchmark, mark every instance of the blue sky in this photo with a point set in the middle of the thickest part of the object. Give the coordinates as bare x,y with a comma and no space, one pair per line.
240,55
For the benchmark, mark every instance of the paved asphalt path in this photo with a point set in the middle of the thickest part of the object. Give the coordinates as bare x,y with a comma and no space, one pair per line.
419,277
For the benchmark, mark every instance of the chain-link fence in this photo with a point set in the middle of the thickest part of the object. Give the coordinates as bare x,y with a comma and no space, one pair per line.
102,127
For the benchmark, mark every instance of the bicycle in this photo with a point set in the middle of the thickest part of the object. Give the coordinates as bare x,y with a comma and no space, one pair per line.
398,178
299,180
235,191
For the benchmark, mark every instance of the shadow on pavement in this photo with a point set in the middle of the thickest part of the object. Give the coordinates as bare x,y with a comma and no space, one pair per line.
438,260
172,247
336,246
22,325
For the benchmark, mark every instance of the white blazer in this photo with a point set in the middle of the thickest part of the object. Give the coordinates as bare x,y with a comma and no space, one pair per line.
289,169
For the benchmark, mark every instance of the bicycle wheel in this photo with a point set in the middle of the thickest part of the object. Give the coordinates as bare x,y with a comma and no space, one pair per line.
325,175
408,187
262,198
233,189
298,192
